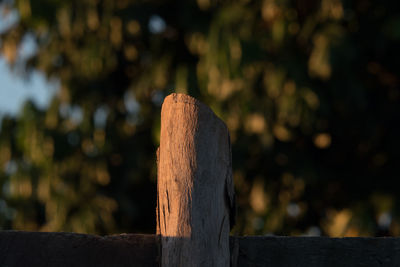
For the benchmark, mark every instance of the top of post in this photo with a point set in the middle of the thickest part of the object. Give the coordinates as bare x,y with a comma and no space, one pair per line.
176,98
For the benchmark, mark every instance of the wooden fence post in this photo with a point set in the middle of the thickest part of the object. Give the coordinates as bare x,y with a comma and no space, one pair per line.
195,187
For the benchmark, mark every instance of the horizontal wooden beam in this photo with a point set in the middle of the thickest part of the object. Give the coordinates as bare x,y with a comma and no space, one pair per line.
70,249
37,249
318,251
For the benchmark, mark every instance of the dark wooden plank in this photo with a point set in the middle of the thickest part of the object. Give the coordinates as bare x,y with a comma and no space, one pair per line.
70,249
35,249
317,251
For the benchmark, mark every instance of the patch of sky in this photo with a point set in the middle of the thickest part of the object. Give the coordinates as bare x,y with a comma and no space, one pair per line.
8,18
133,108
17,87
100,116
74,113
15,90
156,24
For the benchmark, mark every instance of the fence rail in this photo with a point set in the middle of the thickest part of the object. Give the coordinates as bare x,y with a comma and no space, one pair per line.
37,249
195,211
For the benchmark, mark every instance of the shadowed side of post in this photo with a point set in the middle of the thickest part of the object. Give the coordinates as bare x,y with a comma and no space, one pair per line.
195,187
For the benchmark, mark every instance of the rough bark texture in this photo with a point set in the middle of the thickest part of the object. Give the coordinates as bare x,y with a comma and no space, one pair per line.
21,249
195,188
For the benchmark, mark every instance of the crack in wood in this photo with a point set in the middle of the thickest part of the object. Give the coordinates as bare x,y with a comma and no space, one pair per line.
221,228
169,211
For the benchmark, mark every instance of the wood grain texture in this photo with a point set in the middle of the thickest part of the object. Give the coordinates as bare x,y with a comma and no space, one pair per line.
317,251
36,249
195,187
33,249
194,207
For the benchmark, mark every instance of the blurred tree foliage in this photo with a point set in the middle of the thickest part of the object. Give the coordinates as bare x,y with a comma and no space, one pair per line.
309,90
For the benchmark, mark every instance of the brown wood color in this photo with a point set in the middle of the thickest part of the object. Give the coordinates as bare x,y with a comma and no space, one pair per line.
194,212
195,187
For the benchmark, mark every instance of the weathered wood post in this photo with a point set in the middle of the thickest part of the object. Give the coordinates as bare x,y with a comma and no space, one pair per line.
195,186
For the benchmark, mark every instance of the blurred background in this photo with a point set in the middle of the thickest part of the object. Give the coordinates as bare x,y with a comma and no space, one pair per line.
309,90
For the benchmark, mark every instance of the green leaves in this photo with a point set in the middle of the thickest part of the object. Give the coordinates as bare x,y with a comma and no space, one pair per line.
308,91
